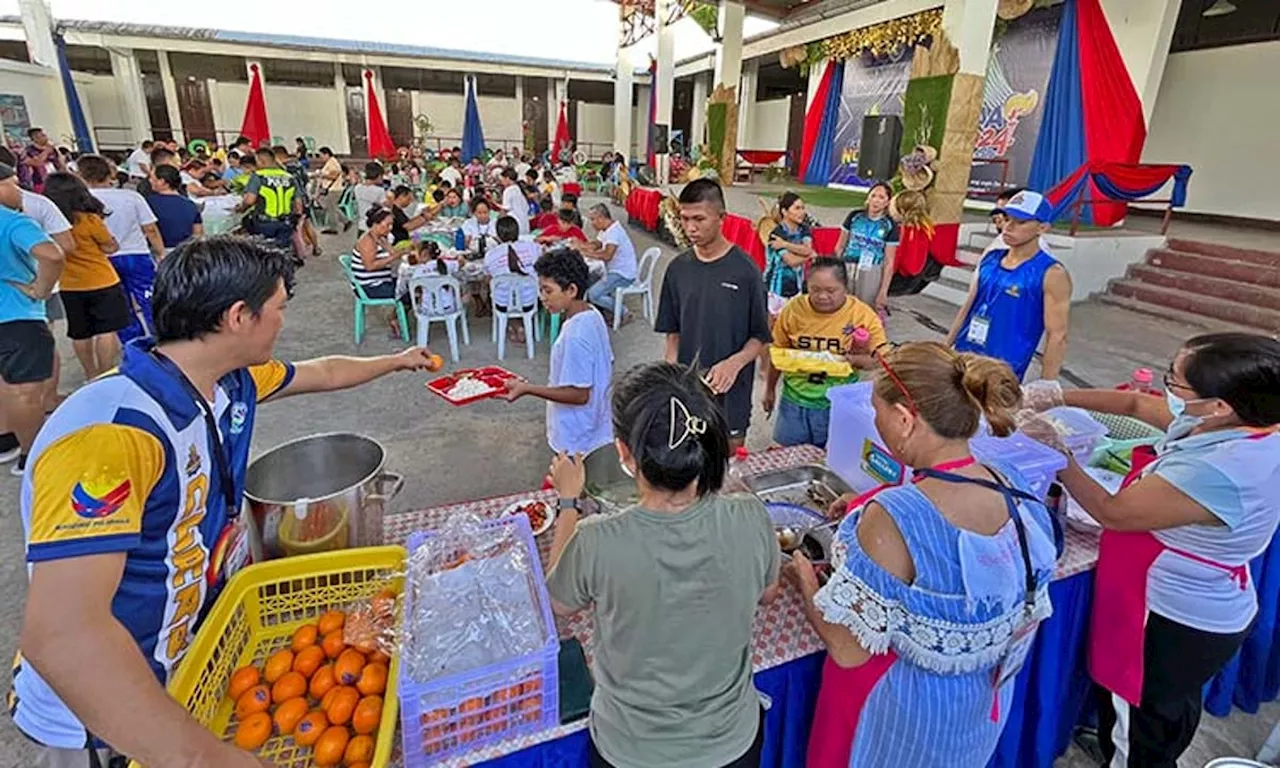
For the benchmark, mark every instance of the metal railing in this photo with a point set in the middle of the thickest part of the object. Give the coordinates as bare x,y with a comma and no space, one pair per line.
1084,198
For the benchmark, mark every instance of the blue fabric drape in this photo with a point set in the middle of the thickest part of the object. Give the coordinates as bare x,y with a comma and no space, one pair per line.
1114,190
819,170
472,131
1253,676
80,126
1060,145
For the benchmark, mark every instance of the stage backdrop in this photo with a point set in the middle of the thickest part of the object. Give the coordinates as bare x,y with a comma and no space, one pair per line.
1011,110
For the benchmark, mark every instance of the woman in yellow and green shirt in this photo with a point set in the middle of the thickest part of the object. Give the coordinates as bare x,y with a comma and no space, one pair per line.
825,319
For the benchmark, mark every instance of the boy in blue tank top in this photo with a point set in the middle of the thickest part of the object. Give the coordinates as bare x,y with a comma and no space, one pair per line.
1018,295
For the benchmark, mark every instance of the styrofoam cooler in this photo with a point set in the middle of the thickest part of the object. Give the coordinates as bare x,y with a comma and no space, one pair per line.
855,450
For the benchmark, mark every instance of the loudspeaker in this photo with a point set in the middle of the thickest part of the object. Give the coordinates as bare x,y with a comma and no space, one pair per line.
660,141
879,147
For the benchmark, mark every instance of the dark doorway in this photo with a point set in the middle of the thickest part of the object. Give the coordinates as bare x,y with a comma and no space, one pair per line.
533,114
571,116
357,131
157,108
795,132
195,110
682,113
400,117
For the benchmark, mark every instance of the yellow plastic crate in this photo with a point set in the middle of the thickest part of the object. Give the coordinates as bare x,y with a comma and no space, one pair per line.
257,615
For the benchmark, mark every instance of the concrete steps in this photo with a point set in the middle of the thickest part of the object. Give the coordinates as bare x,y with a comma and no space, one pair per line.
1187,280
953,285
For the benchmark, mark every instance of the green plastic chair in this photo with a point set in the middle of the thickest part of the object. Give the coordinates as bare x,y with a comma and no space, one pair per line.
542,325
347,205
363,302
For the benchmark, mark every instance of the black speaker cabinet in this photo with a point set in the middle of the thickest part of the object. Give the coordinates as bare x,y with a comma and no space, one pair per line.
878,149
660,139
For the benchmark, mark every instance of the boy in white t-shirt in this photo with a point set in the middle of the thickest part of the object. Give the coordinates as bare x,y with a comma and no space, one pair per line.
578,389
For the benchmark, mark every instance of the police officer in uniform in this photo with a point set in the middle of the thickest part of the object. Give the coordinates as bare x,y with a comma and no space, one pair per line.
272,196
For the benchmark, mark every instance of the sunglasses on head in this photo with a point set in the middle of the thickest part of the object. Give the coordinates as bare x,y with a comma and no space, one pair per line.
879,355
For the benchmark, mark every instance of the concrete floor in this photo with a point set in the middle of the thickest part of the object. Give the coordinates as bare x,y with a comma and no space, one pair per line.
450,454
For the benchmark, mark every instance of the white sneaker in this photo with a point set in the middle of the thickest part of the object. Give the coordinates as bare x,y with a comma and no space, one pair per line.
10,455
17,470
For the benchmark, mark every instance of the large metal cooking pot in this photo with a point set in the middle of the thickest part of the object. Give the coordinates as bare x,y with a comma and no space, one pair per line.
607,485
317,494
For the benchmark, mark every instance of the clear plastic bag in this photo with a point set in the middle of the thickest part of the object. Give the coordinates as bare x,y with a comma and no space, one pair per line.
472,600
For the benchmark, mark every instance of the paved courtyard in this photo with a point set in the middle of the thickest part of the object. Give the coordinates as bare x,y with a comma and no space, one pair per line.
450,454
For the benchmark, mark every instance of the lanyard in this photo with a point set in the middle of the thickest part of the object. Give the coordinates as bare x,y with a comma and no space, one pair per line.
1008,493
221,463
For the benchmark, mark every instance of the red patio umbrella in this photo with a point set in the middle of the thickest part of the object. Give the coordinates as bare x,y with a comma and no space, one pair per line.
562,146
254,128
380,144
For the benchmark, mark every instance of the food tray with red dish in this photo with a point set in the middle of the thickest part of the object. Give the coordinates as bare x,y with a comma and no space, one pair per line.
471,385
540,514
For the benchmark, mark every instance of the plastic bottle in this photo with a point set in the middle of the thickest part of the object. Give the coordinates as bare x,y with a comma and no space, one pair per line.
1140,381
860,341
736,477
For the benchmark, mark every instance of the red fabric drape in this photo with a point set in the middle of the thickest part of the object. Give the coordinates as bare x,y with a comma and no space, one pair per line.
573,188
813,121
642,205
825,239
254,127
741,231
1113,124
380,144
761,156
561,144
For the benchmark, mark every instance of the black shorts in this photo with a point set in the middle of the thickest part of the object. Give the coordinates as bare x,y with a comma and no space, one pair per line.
736,403
26,351
385,289
92,313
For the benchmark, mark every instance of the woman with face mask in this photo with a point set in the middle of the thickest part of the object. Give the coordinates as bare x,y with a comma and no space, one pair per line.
938,584
1173,596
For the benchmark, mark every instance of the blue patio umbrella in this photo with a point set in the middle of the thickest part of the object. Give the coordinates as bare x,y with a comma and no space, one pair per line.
84,139
472,131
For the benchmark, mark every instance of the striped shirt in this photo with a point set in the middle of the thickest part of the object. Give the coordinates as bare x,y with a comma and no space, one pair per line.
365,276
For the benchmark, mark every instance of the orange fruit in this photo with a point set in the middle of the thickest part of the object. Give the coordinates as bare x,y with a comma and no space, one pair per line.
359,750
367,715
342,705
321,682
373,679
310,728
277,664
360,764
308,660
291,685
242,680
253,731
328,697
333,644
331,621
346,670
289,714
256,699
331,746
305,637
378,657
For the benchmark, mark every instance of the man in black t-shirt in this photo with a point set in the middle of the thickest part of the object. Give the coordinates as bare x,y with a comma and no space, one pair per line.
712,307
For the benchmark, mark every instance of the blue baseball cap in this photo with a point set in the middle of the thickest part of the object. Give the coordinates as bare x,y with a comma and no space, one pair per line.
1027,206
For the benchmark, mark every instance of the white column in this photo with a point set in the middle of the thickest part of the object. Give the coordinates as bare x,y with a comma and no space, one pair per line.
969,25
698,120
343,144
37,26
520,107
171,95
553,111
1143,30
623,82
665,85
221,121
747,100
128,83
729,52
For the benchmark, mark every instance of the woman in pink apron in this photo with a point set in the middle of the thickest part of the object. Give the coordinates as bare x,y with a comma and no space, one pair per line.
939,585
1173,599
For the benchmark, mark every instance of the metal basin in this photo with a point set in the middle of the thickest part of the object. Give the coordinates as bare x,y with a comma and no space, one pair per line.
607,485
808,485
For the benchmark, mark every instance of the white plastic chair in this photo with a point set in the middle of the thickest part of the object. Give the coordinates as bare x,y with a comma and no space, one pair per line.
507,289
642,285
438,299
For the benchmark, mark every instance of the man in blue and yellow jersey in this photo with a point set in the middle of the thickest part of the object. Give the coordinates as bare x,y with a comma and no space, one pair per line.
273,200
130,499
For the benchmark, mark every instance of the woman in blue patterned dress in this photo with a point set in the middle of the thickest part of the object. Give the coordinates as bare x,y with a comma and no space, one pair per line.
790,246
869,241
938,584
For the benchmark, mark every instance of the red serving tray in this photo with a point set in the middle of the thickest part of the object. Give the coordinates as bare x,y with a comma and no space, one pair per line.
492,375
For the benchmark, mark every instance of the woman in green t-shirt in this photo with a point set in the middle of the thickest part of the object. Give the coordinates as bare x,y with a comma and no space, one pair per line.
675,581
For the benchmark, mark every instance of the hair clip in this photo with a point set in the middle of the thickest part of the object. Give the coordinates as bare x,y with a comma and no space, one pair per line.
692,424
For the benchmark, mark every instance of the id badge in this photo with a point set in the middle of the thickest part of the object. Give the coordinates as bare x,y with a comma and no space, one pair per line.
979,326
867,259
1015,654
231,551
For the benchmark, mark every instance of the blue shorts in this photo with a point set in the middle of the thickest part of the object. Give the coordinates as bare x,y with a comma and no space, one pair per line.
798,425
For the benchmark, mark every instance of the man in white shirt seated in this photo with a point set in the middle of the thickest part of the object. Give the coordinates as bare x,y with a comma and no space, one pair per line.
452,173
138,164
617,252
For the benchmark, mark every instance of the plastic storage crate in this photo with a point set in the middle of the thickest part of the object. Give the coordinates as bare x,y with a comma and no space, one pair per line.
257,614
457,713
1039,464
1085,431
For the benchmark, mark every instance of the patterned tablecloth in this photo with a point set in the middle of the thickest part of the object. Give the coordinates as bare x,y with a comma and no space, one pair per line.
780,631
